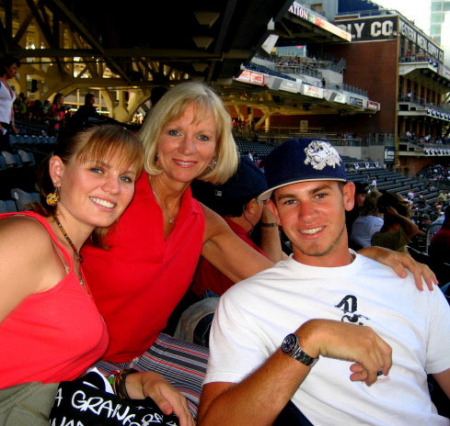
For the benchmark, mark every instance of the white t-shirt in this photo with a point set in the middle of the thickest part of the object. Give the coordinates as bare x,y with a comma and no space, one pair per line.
363,229
255,315
7,98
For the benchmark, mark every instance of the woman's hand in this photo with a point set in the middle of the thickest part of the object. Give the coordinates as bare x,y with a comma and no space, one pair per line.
168,399
400,262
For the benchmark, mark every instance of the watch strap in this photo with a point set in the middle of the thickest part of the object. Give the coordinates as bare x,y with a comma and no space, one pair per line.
291,347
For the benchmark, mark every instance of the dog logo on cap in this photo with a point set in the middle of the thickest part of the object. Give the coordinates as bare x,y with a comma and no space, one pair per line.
321,154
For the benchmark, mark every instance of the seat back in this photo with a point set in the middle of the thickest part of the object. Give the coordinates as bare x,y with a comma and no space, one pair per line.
11,160
7,206
27,157
23,199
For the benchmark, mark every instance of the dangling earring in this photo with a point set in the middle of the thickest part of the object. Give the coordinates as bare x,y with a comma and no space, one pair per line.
212,164
52,199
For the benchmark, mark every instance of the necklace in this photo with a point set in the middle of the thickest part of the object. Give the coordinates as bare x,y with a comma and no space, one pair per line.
66,236
171,219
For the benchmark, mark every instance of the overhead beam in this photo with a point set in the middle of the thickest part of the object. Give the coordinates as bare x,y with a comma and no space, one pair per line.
87,35
149,54
23,28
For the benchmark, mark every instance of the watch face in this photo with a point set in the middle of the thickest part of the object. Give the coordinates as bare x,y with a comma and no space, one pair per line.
289,343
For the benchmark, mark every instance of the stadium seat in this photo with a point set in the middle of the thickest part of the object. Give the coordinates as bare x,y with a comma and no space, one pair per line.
441,269
2,162
11,160
26,157
23,199
7,206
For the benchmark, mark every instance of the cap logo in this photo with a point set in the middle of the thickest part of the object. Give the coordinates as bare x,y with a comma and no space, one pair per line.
321,154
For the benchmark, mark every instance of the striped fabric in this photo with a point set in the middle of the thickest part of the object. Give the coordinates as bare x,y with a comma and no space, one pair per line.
181,363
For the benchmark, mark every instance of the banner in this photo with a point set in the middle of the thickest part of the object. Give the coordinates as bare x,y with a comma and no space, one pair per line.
388,27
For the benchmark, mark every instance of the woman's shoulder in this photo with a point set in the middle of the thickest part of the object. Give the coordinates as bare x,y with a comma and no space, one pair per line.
26,260
25,233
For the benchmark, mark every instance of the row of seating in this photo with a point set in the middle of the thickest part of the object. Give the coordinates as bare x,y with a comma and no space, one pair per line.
17,170
391,181
31,127
357,165
32,140
261,150
20,201
19,159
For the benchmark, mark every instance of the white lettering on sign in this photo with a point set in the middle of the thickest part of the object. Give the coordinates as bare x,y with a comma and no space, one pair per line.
359,26
384,29
299,11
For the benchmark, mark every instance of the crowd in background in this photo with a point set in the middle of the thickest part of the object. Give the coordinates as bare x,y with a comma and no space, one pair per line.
425,140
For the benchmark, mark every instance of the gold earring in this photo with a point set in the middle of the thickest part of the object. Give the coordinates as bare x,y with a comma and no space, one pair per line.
52,199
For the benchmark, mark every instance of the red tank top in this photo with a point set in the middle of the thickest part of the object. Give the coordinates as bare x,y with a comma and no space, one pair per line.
54,335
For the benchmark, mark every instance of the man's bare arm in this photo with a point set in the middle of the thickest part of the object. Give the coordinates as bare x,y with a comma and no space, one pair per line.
259,398
444,381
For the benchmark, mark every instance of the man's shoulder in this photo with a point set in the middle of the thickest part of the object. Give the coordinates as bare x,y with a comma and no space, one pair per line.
268,277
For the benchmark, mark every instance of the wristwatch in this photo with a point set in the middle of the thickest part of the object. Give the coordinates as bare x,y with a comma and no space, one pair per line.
291,347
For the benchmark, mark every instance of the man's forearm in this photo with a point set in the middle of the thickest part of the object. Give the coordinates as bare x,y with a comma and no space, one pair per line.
258,399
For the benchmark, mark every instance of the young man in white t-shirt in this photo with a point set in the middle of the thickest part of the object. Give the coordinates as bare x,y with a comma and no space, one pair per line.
376,335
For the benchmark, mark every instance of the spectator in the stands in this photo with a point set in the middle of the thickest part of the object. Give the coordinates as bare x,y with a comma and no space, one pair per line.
367,223
236,201
8,70
361,192
440,243
87,111
57,113
20,106
398,229
157,93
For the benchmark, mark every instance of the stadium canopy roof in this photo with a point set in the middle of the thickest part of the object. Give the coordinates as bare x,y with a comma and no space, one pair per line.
207,39
131,47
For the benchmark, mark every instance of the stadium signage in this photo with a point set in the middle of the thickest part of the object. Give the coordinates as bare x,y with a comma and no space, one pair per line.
318,20
444,71
388,27
290,86
381,28
426,45
299,11
389,154
356,101
375,106
251,77
340,98
313,91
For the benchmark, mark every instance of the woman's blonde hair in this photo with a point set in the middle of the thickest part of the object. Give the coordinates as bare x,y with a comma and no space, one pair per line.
170,107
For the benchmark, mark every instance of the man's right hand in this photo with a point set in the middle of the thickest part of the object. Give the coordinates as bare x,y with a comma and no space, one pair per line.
350,342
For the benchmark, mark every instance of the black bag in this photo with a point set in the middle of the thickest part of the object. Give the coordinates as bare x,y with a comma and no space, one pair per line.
85,402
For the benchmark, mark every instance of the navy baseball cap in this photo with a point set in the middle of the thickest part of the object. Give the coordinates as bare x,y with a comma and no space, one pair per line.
301,160
247,183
